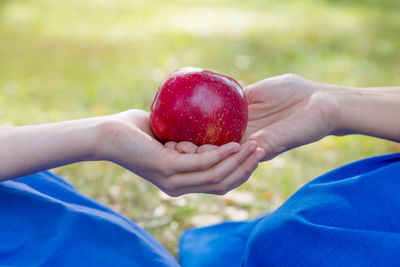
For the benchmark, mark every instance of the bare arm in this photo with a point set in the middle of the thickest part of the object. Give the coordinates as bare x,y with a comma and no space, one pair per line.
370,111
28,149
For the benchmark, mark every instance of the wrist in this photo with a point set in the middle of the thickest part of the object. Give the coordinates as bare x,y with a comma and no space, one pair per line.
327,100
344,104
113,133
85,137
105,130
349,99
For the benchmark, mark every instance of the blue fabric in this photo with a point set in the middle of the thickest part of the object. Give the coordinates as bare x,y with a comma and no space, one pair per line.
347,217
44,221
222,244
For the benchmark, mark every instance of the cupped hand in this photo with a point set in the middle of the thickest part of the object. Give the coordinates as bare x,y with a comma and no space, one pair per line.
289,111
175,169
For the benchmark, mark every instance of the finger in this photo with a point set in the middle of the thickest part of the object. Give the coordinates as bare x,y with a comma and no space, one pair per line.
206,147
215,174
186,147
267,141
203,161
240,175
171,145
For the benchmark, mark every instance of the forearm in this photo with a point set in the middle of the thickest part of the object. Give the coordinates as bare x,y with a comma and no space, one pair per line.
29,149
370,111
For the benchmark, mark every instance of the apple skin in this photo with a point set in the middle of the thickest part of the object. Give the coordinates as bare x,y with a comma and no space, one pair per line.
199,106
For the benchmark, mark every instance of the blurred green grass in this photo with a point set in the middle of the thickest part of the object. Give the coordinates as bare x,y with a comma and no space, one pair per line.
62,60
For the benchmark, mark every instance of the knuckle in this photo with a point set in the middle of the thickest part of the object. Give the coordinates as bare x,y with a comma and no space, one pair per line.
222,192
167,187
213,178
170,189
203,165
173,193
290,77
166,171
219,193
222,189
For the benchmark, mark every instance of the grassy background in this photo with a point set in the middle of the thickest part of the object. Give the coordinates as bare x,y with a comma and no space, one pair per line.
62,60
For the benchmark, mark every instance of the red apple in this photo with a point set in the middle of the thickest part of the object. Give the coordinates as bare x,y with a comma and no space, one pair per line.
199,106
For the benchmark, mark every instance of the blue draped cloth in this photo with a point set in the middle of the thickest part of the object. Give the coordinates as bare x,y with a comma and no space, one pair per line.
347,217
44,221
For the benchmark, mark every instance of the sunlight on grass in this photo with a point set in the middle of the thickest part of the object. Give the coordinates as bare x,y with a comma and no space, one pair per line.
114,22
63,60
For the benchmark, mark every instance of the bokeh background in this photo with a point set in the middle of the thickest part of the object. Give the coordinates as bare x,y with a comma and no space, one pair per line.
62,60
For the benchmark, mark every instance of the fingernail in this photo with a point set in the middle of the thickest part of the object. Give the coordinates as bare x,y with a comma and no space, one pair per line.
251,149
259,157
233,148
